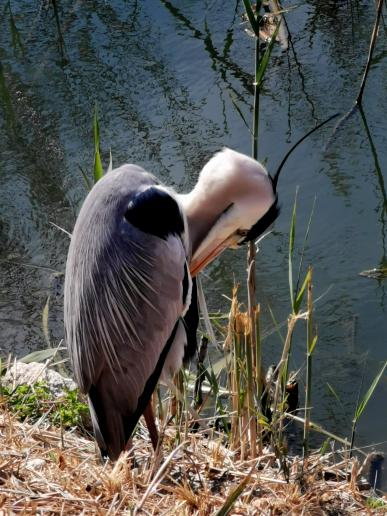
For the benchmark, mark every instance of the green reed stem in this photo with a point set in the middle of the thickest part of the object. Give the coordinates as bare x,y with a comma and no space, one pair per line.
251,285
256,103
310,347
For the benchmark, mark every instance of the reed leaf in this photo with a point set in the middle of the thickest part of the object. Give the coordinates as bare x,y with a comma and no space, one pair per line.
260,73
233,497
312,345
45,328
98,169
300,294
251,16
364,402
40,356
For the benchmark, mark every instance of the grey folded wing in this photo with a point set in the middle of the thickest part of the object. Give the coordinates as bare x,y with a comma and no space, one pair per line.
122,306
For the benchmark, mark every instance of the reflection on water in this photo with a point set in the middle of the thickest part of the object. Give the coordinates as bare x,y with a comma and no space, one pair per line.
167,77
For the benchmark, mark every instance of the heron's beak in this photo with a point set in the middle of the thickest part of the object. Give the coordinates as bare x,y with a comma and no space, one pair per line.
206,255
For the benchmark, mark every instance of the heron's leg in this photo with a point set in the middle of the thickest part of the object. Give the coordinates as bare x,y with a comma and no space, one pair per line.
150,423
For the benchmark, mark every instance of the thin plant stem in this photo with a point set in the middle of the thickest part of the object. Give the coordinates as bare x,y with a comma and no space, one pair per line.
256,104
284,359
359,97
251,250
370,51
251,282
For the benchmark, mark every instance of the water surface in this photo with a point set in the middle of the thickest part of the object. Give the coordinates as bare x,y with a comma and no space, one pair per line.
166,77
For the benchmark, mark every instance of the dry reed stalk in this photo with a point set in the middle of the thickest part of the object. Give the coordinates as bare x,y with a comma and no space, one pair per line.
236,380
245,379
250,387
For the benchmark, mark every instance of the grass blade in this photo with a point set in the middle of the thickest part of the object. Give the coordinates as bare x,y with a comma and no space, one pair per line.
333,392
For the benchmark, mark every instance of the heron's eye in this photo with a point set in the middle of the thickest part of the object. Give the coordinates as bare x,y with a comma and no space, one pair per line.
156,212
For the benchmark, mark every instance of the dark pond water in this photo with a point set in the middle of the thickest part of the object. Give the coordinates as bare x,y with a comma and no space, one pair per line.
166,76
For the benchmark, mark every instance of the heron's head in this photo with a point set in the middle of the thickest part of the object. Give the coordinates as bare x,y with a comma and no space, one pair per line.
233,202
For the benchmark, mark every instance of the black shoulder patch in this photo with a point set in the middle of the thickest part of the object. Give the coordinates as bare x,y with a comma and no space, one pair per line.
156,212
263,223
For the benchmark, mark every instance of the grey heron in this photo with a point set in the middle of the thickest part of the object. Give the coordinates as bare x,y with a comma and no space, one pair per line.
134,254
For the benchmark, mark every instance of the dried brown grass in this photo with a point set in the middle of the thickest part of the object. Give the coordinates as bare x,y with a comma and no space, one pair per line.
44,470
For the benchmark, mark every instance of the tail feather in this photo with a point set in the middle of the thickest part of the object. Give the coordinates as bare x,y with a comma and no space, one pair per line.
108,424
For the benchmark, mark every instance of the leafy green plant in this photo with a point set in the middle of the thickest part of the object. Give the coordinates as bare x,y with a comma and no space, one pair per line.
28,402
376,503
70,411
34,401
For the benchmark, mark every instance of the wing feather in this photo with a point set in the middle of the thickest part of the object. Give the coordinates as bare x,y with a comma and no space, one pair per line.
123,298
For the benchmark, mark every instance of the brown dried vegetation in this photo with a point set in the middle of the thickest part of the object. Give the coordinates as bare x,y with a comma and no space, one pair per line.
44,470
